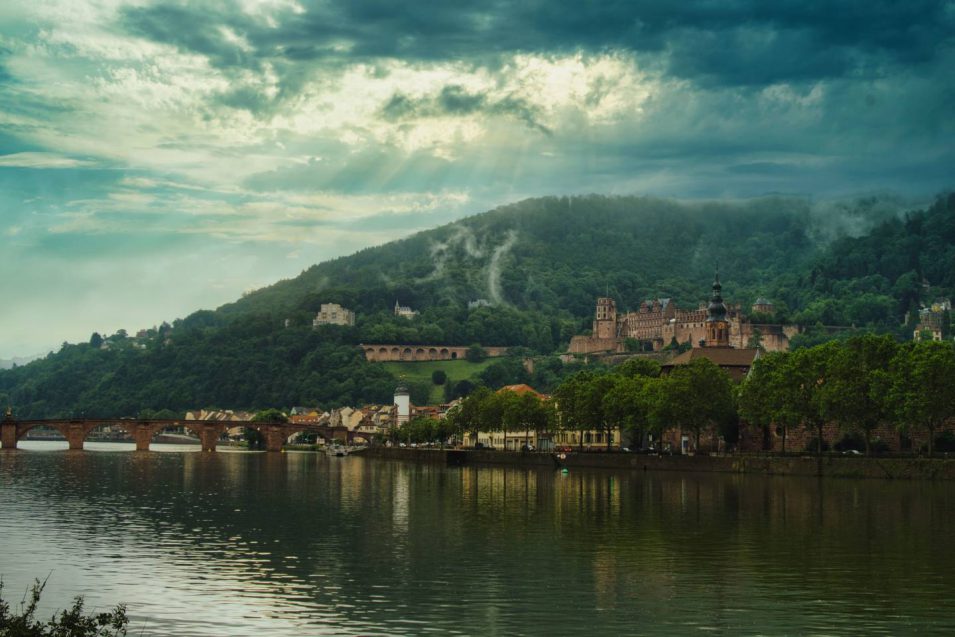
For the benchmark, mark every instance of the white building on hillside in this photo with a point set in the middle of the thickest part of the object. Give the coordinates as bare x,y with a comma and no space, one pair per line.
405,311
333,314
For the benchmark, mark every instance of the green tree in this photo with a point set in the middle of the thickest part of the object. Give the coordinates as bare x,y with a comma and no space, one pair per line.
526,411
475,353
570,403
491,413
271,415
627,405
854,394
700,395
638,366
465,418
439,377
590,404
922,387
808,372
767,396
512,416
96,340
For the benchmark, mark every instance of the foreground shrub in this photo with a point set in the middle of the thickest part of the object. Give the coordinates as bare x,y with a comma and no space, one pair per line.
22,622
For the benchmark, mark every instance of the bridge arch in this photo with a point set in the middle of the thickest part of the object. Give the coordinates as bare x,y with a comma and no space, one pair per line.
142,431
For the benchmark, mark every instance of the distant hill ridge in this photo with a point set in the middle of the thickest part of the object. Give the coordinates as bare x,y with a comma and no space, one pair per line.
558,253
541,262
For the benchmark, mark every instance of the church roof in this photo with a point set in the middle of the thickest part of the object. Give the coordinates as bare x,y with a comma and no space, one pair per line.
716,311
735,362
722,356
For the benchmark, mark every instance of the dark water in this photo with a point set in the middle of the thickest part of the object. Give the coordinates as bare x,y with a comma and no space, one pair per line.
300,544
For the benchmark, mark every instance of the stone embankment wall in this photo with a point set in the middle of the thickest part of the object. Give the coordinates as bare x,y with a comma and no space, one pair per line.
830,467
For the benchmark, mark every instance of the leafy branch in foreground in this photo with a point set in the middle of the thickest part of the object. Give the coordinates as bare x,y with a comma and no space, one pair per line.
22,622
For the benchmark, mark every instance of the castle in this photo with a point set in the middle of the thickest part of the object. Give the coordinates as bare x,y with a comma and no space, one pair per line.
659,322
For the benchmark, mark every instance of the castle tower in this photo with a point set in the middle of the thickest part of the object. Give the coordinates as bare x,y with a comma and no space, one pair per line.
717,327
605,325
402,405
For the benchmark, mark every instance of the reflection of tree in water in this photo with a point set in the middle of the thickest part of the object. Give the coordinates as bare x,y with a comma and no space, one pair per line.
310,538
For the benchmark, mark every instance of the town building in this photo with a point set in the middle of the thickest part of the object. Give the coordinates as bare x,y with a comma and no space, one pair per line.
404,311
934,321
763,306
333,314
402,405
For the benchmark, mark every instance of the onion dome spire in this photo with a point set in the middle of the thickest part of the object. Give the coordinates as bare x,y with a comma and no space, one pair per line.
716,311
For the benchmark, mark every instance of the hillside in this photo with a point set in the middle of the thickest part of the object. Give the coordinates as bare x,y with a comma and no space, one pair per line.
557,254
541,262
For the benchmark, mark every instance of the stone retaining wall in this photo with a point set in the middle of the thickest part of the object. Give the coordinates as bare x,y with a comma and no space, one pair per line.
830,467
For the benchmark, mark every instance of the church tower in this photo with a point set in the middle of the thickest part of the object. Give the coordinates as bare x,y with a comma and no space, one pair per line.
717,327
605,325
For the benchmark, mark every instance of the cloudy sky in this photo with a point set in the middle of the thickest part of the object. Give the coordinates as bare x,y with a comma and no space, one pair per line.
157,157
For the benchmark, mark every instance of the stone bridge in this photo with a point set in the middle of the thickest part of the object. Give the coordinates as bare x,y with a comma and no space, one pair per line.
142,431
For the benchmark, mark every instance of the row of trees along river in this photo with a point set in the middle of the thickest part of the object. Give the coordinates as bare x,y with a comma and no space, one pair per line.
858,384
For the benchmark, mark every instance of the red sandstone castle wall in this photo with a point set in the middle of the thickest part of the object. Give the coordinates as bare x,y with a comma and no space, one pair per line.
389,353
591,345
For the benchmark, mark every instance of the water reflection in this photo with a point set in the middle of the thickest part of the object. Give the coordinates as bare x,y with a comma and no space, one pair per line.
291,544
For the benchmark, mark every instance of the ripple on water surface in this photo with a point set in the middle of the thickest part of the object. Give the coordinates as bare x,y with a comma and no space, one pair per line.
300,544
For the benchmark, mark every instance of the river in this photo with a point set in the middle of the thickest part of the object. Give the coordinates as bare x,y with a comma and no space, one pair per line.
238,543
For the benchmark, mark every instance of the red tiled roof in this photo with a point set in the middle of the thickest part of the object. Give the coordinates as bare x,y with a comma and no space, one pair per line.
722,356
521,389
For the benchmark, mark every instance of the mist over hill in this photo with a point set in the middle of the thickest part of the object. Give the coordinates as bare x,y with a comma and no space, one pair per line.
556,254
540,263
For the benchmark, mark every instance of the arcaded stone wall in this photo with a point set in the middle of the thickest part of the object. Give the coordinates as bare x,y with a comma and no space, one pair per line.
398,353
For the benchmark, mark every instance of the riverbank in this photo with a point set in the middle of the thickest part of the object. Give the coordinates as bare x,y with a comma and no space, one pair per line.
828,466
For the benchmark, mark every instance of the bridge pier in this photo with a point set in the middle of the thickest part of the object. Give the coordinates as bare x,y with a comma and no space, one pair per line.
75,434
8,435
208,436
142,434
274,438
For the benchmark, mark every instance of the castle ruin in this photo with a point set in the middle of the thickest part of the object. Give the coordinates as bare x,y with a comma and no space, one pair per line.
659,322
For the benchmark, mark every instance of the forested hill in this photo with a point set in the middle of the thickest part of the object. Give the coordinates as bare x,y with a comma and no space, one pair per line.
540,262
556,254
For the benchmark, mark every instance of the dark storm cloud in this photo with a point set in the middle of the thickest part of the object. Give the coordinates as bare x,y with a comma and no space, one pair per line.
745,42
194,29
456,100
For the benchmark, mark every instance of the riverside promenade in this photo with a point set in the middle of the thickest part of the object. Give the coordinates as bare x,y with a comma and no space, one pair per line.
803,465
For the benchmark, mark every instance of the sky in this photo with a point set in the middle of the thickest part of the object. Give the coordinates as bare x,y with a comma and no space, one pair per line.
158,157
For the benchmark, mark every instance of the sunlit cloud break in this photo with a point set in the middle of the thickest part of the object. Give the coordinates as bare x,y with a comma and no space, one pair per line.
263,127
